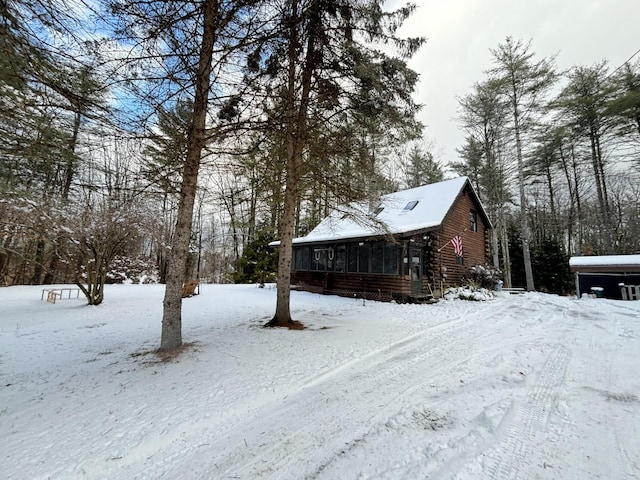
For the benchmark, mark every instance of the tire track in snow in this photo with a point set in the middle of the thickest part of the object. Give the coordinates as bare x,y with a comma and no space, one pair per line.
325,403
507,459
368,378
368,383
619,458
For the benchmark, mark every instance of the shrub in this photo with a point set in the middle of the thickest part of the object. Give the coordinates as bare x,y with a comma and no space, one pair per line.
468,293
483,276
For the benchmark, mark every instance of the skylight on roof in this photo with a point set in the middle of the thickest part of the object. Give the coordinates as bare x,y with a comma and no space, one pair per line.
411,205
377,211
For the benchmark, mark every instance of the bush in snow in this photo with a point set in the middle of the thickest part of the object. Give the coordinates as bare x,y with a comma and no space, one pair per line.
483,276
468,293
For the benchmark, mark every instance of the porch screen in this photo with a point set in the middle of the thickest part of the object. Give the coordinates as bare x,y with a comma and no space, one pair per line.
391,259
301,258
377,257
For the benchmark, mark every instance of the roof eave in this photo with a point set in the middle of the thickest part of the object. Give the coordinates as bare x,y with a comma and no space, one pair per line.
362,238
615,268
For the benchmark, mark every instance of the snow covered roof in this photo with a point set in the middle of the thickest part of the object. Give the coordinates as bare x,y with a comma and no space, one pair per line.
406,211
605,263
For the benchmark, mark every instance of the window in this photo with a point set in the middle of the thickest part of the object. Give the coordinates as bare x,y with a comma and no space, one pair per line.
319,259
377,211
411,205
473,221
358,255
390,259
364,257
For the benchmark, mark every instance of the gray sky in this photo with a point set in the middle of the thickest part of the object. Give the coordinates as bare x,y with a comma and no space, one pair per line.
461,32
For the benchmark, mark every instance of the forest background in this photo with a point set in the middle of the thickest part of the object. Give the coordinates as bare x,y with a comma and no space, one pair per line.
97,109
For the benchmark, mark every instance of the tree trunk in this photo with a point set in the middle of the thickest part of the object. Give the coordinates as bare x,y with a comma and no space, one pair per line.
172,303
524,220
296,139
555,232
572,201
495,251
596,174
576,182
506,258
601,187
69,167
282,316
38,263
96,273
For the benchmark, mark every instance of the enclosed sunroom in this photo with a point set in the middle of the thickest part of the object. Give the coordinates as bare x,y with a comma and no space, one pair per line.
400,249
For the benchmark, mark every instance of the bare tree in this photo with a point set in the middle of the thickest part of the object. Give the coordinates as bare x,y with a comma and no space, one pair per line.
95,234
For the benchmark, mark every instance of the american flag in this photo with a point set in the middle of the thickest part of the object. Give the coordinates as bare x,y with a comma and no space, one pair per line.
457,245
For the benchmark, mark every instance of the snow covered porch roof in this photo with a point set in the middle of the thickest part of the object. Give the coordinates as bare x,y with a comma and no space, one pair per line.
408,211
606,264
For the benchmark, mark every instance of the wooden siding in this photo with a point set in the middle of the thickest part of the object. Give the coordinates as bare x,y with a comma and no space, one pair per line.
474,244
359,285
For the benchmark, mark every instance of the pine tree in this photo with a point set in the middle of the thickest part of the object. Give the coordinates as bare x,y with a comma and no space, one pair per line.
259,262
420,168
524,83
189,50
484,115
583,107
331,71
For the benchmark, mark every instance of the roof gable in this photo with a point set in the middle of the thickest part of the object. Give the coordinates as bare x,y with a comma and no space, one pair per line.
415,209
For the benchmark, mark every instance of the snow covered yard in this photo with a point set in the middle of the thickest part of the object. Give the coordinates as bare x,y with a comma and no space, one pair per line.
524,386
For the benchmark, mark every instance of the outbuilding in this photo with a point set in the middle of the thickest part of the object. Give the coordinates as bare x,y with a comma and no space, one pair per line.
609,276
407,246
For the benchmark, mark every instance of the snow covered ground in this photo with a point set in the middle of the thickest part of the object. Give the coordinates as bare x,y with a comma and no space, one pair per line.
525,386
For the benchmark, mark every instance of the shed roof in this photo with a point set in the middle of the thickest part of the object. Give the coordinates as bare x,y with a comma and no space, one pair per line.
605,263
395,213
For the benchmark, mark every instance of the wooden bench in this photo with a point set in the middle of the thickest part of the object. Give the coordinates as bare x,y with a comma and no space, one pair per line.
514,290
189,288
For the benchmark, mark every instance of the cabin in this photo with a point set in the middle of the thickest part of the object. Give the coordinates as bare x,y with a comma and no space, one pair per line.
406,247
608,276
